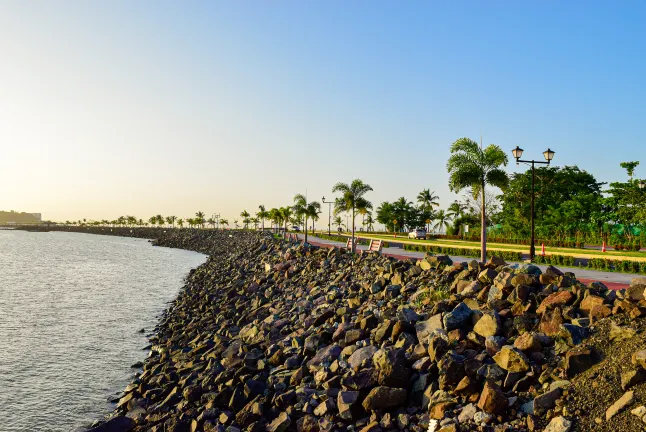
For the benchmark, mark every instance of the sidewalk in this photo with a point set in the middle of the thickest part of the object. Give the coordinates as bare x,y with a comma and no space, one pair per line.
611,279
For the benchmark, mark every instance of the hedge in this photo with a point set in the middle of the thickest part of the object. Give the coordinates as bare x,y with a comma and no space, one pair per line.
475,253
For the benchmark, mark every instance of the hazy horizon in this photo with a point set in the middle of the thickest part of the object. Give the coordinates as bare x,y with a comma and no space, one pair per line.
139,108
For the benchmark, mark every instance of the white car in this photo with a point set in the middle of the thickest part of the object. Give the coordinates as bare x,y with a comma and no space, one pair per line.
296,228
418,233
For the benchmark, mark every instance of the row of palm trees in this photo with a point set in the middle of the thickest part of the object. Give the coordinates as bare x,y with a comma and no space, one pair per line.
470,167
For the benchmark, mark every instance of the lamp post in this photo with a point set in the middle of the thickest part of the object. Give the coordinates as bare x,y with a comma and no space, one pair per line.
549,155
329,217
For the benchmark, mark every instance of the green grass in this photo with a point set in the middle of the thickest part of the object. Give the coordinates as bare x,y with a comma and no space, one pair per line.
506,246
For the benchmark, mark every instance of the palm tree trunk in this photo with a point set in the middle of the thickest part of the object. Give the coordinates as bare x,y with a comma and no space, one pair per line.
354,245
305,229
483,229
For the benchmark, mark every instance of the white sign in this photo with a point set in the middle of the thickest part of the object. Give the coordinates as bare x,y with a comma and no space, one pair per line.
466,228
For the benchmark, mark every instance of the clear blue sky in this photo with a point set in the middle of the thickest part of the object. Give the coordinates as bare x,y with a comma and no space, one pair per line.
121,107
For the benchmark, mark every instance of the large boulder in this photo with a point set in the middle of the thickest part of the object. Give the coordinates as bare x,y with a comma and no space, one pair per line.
382,397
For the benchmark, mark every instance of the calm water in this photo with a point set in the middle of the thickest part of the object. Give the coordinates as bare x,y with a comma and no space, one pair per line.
71,306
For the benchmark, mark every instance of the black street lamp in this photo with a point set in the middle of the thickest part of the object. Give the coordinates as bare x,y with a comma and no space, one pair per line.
641,184
329,218
549,155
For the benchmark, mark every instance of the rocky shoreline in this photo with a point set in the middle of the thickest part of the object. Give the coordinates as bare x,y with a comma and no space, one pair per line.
270,335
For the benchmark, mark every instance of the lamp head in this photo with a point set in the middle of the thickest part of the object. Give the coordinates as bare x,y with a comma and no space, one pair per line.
549,155
642,184
518,153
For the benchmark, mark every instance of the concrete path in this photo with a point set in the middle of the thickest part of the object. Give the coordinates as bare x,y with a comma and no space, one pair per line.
611,279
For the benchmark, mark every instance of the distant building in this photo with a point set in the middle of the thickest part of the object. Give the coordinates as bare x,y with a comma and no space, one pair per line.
38,216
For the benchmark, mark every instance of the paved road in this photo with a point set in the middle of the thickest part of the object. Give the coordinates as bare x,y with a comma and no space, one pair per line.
611,279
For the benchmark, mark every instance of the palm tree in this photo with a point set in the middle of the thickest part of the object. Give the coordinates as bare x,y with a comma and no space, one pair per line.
224,222
338,222
306,210
171,220
313,212
160,220
235,222
472,166
262,214
370,222
199,219
285,213
211,222
442,219
255,221
427,200
180,222
351,200
152,220
275,217
245,218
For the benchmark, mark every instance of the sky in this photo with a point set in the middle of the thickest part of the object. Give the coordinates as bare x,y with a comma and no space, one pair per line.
147,107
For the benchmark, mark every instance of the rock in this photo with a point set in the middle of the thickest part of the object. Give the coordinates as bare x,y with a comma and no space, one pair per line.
382,397
511,359
457,317
467,413
636,290
577,360
639,358
492,399
280,423
589,302
361,355
345,401
620,404
551,321
325,355
528,342
631,378
557,299
559,424
547,400
488,325
425,328
495,261
572,334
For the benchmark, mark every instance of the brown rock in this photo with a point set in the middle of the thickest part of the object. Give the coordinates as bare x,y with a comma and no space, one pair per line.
492,399
511,359
557,299
382,397
590,302
528,342
551,321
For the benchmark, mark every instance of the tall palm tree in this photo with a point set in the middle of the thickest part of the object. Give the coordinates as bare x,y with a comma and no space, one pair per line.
338,222
262,214
152,220
370,222
442,220
224,222
351,200
171,220
245,218
313,212
472,166
160,220
427,200
306,210
199,219
180,222
211,222
286,213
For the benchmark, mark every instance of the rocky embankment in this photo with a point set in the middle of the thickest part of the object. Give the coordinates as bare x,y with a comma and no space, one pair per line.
268,335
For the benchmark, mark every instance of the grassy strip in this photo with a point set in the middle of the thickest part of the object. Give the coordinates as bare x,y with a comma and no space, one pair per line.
475,253
601,264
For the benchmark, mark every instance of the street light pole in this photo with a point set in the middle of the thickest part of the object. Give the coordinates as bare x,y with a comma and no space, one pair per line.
329,217
549,155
